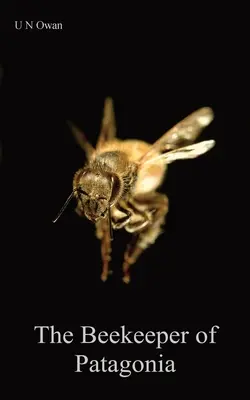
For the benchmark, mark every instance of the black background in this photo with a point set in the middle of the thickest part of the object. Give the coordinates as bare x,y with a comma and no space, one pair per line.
177,284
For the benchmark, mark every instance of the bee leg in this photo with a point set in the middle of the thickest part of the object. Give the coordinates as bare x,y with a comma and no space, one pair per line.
158,204
131,255
102,233
121,222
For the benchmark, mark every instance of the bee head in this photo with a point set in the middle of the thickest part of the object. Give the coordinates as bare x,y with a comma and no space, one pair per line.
96,192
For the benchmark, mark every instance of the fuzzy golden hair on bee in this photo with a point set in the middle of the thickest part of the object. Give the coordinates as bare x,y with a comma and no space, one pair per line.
117,188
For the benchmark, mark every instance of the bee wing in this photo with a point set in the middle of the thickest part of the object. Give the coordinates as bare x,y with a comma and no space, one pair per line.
183,133
81,140
108,125
187,152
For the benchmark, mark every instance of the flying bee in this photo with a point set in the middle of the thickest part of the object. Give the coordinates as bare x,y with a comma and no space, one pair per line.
117,187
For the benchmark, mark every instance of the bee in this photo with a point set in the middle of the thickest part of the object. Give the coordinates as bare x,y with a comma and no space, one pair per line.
117,188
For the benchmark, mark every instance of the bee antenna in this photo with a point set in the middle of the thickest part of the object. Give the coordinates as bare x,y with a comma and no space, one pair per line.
64,206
